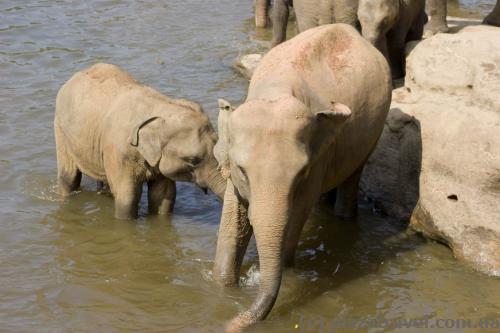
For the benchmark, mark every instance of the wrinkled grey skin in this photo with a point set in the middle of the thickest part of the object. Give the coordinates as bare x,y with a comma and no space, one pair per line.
310,121
389,24
312,13
115,130
262,13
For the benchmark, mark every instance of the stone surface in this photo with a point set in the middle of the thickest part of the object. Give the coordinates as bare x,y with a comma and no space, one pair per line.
247,63
438,160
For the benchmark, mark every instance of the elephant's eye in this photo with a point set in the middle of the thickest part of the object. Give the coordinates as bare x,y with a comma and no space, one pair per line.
243,173
193,161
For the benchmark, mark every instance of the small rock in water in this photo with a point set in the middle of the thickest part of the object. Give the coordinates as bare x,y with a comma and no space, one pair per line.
247,63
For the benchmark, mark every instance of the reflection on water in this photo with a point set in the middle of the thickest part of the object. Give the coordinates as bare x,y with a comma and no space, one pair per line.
67,265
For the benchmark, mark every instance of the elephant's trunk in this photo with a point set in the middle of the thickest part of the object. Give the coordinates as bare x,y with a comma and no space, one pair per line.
216,183
269,219
261,12
379,41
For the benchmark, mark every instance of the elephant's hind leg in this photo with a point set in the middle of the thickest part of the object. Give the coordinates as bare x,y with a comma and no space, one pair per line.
161,196
346,205
68,174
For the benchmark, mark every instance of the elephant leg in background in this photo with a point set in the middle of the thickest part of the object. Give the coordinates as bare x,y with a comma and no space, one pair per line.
416,31
326,12
261,13
437,10
234,234
346,204
161,196
293,236
396,49
280,15
307,13
346,11
69,176
493,18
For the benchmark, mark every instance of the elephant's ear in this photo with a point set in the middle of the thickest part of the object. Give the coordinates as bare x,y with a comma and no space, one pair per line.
335,116
146,138
221,148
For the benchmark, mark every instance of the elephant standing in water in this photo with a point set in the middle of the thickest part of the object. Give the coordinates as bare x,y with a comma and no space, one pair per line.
315,109
312,13
262,13
113,129
437,10
389,24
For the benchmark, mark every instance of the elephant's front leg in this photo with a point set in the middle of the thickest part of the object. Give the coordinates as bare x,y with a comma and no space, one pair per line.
161,196
280,15
234,233
396,48
293,235
127,191
437,10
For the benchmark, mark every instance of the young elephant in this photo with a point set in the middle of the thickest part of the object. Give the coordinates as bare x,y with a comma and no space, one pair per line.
389,24
113,129
315,109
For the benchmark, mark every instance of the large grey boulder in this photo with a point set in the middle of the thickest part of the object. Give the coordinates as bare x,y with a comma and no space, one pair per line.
438,160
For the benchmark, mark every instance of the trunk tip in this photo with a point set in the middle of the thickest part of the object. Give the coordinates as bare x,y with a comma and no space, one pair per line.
240,322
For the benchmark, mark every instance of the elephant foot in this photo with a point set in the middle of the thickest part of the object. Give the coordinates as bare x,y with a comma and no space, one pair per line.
492,20
434,27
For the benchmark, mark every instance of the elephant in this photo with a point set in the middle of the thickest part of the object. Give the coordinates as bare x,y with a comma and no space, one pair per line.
493,18
312,13
315,108
437,10
262,13
115,130
389,24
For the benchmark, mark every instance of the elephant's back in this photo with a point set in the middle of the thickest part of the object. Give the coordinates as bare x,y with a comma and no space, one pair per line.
84,106
92,90
332,51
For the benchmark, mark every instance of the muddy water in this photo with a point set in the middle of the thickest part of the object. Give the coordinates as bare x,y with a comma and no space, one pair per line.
68,266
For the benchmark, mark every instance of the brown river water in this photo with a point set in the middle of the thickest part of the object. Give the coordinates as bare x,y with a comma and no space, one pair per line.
69,266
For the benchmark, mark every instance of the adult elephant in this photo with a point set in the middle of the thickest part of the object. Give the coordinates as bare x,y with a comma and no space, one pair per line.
310,121
262,13
312,13
437,10
389,24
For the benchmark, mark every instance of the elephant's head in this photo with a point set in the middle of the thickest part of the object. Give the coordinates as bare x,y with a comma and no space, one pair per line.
180,147
269,149
377,17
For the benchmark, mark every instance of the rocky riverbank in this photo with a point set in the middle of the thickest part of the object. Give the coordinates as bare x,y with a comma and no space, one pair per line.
438,160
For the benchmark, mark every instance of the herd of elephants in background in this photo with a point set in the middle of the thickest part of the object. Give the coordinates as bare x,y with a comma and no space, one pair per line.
388,24
315,108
